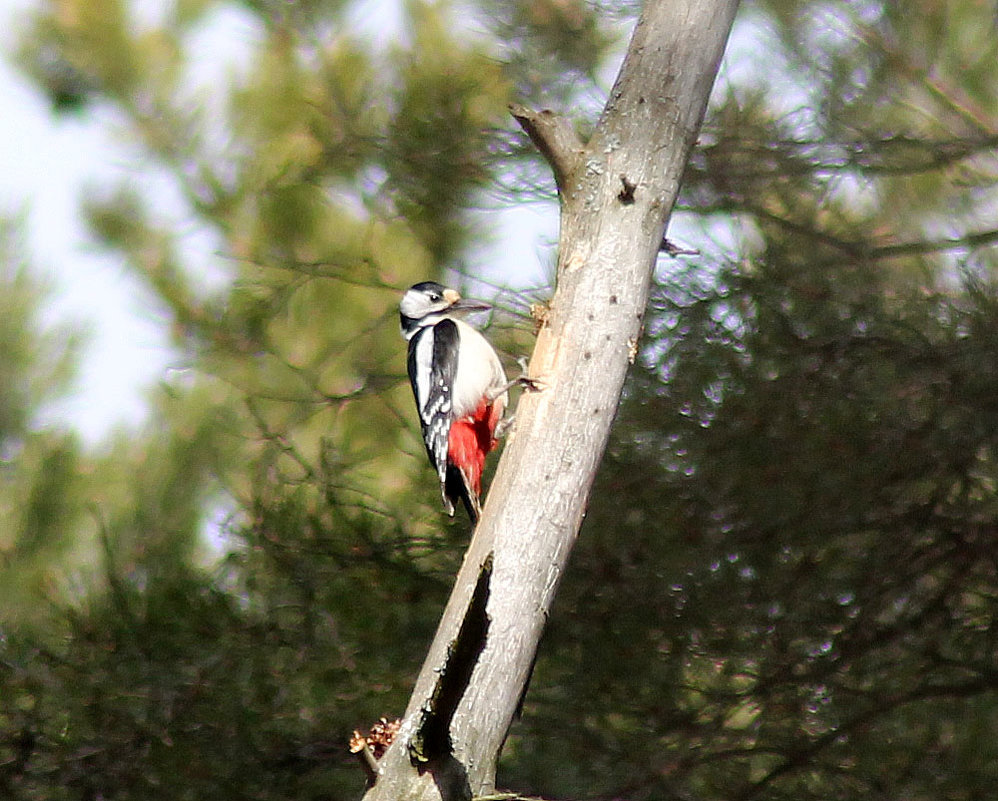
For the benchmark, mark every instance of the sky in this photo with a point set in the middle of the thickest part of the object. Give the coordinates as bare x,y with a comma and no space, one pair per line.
46,164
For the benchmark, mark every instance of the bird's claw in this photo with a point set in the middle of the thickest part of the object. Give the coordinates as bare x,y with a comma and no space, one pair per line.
526,382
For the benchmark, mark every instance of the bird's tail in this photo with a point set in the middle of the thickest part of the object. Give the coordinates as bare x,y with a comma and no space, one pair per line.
459,486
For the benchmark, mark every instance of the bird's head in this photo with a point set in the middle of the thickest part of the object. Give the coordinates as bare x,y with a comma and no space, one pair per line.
428,302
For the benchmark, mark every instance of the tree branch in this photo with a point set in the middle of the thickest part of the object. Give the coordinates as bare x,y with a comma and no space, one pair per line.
972,240
864,250
555,139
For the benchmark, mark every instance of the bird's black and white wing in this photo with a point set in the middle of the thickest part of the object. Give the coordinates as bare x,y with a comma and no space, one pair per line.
432,364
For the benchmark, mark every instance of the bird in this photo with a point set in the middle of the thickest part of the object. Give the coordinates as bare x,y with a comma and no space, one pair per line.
459,386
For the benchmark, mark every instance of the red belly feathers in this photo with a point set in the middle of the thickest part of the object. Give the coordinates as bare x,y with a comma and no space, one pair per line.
471,438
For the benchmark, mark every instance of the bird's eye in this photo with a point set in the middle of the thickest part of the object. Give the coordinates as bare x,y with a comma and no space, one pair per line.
435,296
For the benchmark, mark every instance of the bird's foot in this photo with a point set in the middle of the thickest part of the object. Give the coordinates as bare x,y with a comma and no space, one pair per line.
523,380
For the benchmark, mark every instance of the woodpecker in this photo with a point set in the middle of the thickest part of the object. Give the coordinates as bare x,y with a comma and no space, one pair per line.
459,385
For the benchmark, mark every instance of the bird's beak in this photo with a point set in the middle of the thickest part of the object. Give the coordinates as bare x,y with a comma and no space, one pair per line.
457,303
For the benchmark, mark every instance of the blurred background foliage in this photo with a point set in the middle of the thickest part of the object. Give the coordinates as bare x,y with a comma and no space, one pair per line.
786,584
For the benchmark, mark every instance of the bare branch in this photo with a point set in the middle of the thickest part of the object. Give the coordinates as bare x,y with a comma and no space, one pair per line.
554,137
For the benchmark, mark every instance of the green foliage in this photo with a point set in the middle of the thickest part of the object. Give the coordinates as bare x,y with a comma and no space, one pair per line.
172,687
40,485
797,575
785,587
37,363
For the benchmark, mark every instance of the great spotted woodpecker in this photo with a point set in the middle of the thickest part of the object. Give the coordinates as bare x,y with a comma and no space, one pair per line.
459,386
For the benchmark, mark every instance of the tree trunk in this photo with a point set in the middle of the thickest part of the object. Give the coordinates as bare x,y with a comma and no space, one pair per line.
616,193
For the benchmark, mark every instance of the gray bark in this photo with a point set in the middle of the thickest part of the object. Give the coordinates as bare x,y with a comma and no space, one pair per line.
617,192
